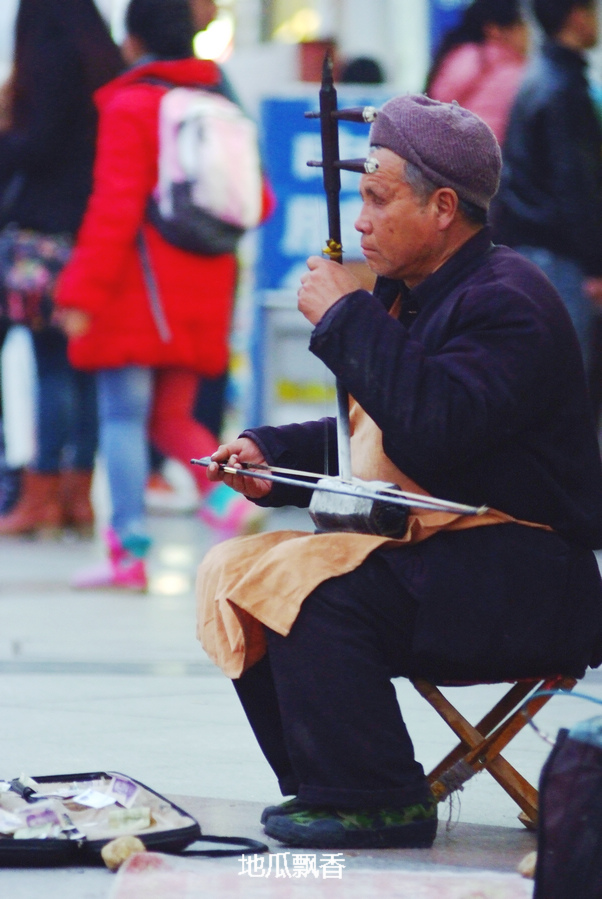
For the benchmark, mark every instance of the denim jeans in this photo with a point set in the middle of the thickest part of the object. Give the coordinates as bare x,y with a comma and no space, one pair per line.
138,405
67,425
124,403
567,276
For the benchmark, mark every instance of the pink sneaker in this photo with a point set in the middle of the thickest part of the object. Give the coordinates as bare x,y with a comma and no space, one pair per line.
121,570
231,514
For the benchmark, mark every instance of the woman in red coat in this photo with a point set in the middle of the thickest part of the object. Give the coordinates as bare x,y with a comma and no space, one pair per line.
148,359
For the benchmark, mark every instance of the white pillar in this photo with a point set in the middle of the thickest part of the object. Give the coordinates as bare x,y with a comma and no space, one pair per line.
362,29
407,32
394,32
248,15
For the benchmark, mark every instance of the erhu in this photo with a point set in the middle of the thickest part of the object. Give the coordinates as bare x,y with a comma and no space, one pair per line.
345,503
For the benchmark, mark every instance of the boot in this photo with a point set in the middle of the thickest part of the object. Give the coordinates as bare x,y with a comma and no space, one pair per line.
38,509
75,498
123,569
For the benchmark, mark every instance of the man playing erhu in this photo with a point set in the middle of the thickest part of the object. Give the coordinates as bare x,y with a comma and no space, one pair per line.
466,383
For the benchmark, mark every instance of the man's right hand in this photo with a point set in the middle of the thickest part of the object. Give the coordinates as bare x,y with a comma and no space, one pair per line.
241,450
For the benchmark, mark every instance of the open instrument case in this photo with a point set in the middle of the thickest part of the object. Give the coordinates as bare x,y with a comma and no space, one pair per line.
68,818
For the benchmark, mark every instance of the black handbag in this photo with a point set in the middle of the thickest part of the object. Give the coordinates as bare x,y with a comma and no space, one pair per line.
68,819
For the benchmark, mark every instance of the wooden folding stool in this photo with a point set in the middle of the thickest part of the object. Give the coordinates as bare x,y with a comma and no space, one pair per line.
481,744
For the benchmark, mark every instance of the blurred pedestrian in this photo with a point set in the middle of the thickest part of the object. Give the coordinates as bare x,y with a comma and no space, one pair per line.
161,494
481,61
147,375
63,53
549,205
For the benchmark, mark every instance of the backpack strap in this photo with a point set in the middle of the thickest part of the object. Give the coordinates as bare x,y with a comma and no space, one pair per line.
223,88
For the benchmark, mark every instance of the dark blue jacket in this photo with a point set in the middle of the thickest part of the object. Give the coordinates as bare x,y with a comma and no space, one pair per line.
551,189
480,394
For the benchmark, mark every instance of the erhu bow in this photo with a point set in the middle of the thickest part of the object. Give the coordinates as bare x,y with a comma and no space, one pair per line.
345,503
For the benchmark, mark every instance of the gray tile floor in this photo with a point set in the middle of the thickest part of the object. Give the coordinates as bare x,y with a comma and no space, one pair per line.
94,681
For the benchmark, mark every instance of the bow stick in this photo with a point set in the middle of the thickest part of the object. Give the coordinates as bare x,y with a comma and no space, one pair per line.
291,478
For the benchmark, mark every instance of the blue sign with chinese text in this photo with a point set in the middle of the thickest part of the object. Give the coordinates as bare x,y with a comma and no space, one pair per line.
299,226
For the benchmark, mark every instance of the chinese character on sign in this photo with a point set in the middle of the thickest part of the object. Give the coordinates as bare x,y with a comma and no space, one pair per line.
333,866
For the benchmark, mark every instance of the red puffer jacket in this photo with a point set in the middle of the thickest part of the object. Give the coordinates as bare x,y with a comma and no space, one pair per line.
105,277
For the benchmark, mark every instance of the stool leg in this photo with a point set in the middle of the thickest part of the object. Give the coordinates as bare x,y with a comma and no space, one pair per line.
447,711
480,746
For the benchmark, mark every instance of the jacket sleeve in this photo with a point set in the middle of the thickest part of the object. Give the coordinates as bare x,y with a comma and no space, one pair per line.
551,169
302,447
440,407
124,175
573,178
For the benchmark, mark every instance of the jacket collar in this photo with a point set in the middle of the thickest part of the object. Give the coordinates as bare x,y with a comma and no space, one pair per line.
564,56
441,282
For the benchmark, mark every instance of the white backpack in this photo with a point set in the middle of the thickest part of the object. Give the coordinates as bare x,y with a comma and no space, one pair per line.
209,189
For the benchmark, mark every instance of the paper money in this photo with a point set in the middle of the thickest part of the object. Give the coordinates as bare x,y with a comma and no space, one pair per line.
9,823
39,832
123,790
94,799
41,814
130,819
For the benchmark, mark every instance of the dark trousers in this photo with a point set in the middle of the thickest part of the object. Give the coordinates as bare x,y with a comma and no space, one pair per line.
488,603
322,704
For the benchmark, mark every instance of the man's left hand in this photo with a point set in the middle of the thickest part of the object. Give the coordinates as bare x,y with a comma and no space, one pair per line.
321,287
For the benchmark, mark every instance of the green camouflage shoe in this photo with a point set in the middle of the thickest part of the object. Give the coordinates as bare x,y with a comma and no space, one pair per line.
291,805
414,826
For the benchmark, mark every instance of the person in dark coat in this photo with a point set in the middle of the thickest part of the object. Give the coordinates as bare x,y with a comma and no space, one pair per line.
549,205
467,383
63,53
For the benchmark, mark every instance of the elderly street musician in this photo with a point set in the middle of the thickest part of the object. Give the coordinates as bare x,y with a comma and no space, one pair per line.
464,381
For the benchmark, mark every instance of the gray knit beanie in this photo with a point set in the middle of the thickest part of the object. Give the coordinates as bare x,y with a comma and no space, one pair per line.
450,145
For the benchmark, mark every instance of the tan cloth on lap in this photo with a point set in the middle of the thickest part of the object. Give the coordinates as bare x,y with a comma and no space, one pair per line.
248,582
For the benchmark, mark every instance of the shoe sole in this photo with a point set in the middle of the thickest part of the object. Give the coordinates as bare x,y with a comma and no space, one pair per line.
418,835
